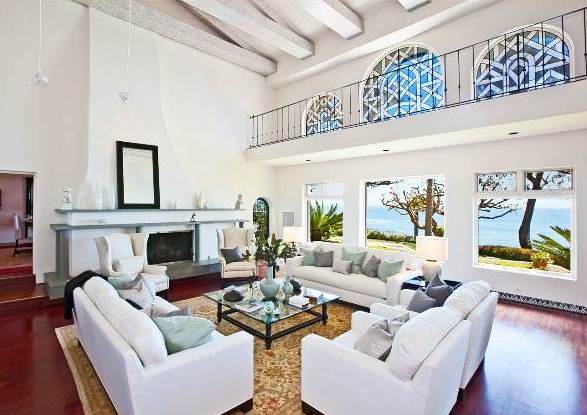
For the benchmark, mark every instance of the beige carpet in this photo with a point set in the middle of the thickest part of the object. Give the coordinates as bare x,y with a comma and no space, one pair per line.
277,371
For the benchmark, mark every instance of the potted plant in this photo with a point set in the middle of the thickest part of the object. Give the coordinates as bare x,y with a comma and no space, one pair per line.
272,252
540,260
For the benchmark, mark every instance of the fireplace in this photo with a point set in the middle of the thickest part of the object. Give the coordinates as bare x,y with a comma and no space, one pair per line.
164,247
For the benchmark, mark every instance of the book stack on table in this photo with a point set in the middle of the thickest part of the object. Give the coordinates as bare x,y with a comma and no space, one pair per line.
299,301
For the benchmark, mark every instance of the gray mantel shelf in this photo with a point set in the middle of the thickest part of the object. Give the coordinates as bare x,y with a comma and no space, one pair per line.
63,211
59,227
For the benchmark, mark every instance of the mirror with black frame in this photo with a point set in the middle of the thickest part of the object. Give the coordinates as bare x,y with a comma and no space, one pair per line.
137,169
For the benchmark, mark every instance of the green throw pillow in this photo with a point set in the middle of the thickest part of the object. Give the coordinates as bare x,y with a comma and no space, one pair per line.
389,269
122,283
309,258
356,257
184,332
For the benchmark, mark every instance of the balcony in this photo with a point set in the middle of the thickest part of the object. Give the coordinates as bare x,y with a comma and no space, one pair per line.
498,75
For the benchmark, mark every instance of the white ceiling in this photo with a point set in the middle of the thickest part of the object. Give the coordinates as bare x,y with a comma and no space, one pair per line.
288,39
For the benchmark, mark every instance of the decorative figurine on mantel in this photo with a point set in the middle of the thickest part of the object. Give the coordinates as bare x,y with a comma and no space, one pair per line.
240,204
66,199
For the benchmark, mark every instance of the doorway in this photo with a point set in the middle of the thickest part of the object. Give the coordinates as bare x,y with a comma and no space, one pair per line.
16,224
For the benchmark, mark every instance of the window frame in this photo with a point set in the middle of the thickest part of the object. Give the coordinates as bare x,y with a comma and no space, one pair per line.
306,205
364,182
523,194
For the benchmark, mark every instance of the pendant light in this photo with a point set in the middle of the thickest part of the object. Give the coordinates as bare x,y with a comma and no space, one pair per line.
124,94
39,78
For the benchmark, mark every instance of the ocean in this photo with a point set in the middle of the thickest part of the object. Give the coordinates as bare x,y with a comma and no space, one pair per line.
502,231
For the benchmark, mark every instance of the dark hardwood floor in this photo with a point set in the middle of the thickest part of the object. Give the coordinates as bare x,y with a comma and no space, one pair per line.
536,363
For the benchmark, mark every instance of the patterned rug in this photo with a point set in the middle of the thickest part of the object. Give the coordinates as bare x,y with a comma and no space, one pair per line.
277,371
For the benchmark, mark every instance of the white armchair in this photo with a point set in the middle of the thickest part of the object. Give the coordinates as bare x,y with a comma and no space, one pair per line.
123,254
243,238
337,379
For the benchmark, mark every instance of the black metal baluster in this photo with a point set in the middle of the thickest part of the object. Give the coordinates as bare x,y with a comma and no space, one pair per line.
563,49
489,53
585,38
444,85
459,69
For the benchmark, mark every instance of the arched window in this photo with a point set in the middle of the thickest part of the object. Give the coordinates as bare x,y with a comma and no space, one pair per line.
406,80
528,58
323,114
261,216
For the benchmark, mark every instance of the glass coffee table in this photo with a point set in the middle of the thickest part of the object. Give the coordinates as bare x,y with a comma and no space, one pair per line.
317,310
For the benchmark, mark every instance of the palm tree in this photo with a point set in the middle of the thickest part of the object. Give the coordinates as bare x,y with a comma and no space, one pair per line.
560,254
324,224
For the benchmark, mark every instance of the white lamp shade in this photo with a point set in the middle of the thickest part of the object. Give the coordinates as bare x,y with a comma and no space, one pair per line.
432,248
293,234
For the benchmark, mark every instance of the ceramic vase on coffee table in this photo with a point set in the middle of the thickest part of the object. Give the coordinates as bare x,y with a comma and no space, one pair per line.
268,286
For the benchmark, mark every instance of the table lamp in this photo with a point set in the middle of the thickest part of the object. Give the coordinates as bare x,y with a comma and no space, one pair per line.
433,250
293,234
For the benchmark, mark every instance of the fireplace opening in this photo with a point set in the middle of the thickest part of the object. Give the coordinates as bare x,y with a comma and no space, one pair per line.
163,247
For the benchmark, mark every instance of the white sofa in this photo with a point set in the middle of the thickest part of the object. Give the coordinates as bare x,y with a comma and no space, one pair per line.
355,288
209,379
420,377
477,307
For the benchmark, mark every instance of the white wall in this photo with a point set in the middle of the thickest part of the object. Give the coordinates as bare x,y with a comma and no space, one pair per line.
458,164
193,106
44,130
13,190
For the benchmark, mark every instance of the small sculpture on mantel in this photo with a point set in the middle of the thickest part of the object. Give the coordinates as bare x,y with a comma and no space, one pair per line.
66,199
240,204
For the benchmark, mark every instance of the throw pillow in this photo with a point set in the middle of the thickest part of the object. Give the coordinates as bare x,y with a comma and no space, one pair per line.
184,311
438,290
376,341
421,302
356,257
130,265
324,259
370,268
138,292
342,267
121,283
184,332
309,259
389,269
376,344
232,254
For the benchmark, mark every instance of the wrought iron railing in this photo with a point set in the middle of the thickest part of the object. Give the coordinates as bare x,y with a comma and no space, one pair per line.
543,54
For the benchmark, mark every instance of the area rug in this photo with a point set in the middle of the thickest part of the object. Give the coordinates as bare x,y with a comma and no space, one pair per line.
277,371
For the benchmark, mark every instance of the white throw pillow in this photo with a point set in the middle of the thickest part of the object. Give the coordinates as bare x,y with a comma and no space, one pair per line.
96,286
139,292
139,331
130,265
416,339
112,308
466,298
481,287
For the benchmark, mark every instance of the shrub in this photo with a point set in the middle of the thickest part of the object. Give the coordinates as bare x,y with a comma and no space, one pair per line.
506,252
389,236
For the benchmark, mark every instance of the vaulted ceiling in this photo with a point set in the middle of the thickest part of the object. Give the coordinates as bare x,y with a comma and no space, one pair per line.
287,40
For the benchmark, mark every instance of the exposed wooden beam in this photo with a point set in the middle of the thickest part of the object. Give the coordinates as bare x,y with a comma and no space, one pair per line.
238,13
227,30
411,5
334,14
273,14
171,27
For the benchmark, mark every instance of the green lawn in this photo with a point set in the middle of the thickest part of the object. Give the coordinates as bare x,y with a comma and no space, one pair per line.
505,262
